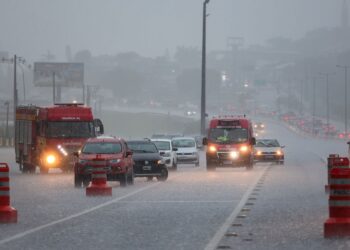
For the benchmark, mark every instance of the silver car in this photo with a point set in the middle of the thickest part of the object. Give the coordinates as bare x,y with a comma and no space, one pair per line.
187,151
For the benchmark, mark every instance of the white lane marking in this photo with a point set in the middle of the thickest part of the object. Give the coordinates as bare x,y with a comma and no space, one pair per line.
36,229
213,243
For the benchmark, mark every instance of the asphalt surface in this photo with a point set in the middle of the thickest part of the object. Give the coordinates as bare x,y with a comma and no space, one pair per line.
270,207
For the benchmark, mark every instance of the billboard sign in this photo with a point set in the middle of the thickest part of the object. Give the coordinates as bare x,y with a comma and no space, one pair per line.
65,74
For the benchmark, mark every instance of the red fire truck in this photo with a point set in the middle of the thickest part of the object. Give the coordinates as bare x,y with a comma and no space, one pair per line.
230,142
47,136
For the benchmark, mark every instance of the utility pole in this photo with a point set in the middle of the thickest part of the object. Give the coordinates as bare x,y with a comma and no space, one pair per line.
7,103
53,88
203,101
14,88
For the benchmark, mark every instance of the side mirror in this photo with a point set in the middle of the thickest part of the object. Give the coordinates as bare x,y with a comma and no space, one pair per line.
98,127
205,141
283,146
76,154
253,141
174,149
128,153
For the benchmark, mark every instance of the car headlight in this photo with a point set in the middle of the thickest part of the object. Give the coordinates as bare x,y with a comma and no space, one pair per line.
50,159
279,152
160,162
212,149
82,161
244,148
115,161
258,153
234,155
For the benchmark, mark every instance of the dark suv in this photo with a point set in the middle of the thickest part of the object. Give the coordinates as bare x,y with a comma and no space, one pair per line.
110,153
147,160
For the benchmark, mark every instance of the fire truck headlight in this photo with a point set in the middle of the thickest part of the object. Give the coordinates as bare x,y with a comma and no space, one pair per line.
212,149
50,159
244,148
114,161
234,155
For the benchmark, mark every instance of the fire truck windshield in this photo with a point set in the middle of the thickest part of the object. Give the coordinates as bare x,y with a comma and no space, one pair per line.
228,135
70,130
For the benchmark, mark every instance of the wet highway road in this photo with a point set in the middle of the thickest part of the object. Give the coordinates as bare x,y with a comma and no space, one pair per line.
270,207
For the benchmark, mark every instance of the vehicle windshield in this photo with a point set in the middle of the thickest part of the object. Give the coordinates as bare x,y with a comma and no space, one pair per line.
162,145
143,147
102,148
70,129
267,143
228,135
184,143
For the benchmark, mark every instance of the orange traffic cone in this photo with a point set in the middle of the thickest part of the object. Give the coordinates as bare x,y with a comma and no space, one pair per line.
98,186
7,213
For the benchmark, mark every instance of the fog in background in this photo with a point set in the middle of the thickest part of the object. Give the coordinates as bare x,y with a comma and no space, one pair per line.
262,55
30,28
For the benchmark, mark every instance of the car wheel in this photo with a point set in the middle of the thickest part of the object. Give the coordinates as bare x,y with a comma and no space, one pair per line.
123,180
30,168
86,181
131,177
197,164
174,167
164,175
281,162
20,164
250,165
78,180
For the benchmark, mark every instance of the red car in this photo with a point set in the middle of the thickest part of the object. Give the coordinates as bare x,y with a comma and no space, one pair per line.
111,153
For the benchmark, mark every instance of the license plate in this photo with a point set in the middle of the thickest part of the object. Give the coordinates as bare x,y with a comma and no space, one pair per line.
269,157
227,162
147,168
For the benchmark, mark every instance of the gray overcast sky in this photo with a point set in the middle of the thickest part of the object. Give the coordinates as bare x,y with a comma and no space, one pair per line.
149,27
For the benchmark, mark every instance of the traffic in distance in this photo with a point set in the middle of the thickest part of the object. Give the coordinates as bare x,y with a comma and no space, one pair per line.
67,137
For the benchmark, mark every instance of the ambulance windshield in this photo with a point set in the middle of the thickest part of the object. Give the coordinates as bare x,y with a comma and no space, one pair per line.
228,135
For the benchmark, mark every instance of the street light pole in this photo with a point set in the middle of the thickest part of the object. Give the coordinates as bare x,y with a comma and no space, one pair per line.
313,103
327,96
23,81
14,88
345,67
203,101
